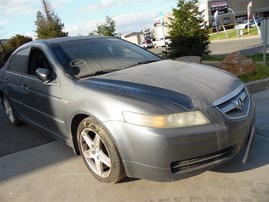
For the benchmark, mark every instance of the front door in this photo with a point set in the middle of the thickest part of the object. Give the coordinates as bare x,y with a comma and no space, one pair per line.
43,100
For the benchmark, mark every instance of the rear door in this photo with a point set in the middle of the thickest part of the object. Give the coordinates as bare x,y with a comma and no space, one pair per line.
14,80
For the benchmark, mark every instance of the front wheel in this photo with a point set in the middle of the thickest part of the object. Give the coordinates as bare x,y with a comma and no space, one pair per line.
99,152
13,119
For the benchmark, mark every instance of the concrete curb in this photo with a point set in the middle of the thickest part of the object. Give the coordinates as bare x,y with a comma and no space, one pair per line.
258,85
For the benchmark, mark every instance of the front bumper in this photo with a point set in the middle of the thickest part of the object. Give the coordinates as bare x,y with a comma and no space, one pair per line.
172,154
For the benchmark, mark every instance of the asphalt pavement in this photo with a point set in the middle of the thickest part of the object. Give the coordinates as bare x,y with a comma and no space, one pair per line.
221,48
246,46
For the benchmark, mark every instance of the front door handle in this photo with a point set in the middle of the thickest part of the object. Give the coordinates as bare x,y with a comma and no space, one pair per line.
24,86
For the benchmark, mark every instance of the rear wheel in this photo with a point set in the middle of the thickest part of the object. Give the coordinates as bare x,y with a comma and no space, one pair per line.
99,151
13,119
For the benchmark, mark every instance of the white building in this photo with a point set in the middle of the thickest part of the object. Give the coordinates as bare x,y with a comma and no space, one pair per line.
161,26
134,37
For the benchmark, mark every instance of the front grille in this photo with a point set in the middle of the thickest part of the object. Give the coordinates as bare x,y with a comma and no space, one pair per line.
236,104
196,163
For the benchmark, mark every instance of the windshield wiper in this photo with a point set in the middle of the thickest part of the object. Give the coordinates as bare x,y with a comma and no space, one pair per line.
146,62
99,72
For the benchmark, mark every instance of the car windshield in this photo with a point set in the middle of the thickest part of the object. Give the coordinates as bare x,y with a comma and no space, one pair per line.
87,57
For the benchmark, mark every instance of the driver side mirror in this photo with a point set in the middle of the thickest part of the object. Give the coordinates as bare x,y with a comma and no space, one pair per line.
43,74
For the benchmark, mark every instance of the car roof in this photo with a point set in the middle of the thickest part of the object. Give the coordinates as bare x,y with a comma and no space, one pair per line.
46,42
64,39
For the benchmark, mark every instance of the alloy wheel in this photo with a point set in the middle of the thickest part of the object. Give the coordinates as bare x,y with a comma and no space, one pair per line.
95,152
8,110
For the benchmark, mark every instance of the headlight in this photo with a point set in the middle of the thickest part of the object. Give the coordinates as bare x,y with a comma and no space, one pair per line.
178,120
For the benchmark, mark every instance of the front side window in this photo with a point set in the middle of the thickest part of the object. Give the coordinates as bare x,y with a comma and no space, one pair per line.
38,60
86,57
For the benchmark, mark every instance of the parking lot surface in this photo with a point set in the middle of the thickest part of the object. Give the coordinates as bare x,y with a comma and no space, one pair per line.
40,169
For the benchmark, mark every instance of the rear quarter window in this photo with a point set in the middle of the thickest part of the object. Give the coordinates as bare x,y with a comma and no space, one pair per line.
19,63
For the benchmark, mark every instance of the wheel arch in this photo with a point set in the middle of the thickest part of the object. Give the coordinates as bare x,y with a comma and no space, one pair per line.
1,94
1,97
74,125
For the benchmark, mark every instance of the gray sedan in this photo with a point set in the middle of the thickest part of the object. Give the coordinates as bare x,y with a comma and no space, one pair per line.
126,111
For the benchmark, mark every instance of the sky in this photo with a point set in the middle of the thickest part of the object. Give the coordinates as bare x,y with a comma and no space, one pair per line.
80,17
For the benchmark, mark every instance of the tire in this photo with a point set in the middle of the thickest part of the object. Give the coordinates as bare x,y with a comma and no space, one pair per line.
13,119
99,152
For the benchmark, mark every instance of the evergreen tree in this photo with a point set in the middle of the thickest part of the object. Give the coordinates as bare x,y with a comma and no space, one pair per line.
48,25
109,27
106,29
99,30
189,36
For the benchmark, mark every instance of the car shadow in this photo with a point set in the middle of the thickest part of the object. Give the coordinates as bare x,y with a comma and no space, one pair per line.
128,180
15,139
24,150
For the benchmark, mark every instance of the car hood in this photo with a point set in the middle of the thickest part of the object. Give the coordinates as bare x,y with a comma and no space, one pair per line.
201,83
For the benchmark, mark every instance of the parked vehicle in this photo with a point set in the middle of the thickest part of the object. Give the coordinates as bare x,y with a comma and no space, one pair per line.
244,24
126,111
258,21
161,43
147,44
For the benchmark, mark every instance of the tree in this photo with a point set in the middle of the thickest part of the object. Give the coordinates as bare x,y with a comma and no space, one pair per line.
48,25
16,41
106,29
99,30
12,44
109,27
188,34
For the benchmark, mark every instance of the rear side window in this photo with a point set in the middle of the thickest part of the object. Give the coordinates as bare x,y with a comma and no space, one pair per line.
19,62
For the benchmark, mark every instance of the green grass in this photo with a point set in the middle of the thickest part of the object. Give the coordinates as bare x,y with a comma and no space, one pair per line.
258,57
211,58
262,72
232,34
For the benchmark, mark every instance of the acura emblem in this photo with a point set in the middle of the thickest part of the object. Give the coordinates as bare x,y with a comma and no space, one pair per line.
240,104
